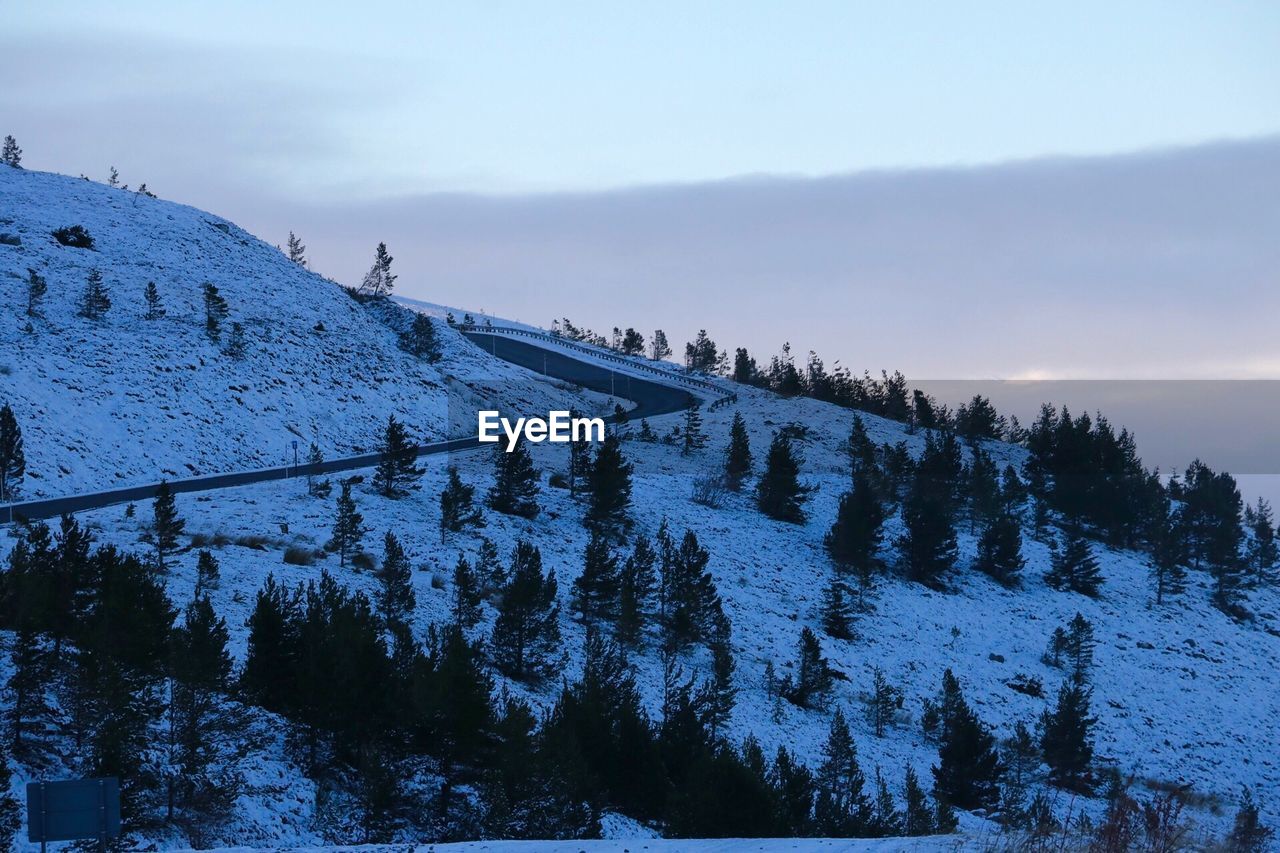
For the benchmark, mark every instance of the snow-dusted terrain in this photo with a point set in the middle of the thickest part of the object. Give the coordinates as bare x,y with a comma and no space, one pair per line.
1183,694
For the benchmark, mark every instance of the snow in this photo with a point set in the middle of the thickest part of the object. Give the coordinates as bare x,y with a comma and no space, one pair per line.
1182,693
650,845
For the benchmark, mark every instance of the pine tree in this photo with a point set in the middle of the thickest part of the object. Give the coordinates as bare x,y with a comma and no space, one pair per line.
95,302
208,573
378,281
693,438
837,613
1074,568
717,695
316,487
886,820
235,347
348,527
1066,738
167,525
10,810
579,458
660,349
917,817
857,532
967,775
687,594
270,661
396,599
489,568
396,473
37,287
779,494
609,485
1248,833
457,507
515,487
595,592
155,308
841,807
420,339
882,703
466,594
1168,553
928,547
814,676
737,463
10,153
215,311
635,587
526,634
1000,551
199,672
984,489
296,250
13,462
1263,551
1077,647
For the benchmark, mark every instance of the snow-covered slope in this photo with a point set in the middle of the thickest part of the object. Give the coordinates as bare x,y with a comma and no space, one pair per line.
125,400
1182,693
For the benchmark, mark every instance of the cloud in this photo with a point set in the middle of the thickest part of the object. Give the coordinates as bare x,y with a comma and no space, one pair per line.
1154,264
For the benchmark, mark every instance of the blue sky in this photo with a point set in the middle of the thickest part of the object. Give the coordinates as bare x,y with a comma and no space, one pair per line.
377,99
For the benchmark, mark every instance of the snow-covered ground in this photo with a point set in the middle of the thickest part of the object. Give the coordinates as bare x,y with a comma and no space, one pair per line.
1182,693
652,845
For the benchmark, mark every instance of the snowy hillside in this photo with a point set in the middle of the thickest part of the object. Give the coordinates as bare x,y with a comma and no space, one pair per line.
126,400
1182,693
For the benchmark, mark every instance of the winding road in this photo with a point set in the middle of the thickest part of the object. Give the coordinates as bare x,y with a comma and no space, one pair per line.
651,398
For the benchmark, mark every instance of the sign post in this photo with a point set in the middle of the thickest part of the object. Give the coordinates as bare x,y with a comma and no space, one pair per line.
73,810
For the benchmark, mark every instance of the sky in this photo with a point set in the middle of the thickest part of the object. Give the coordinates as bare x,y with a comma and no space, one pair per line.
1061,190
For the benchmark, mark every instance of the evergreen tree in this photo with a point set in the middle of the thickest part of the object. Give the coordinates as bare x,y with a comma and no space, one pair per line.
378,281
155,308
882,703
296,251
837,613
737,463
984,489
841,807
1248,833
457,508
688,599
660,349
526,634
1066,738
1168,553
420,339
316,487
928,547
813,674
396,599
579,458
595,592
199,673
718,694
10,153
745,370
917,817
515,487
348,527
13,462
635,587
632,343
396,473
1077,647
235,347
855,536
466,594
1074,568
886,820
609,485
215,311
779,494
489,568
1263,551
95,302
10,810
1000,551
273,647
37,287
207,573
693,438
967,775
167,525
794,785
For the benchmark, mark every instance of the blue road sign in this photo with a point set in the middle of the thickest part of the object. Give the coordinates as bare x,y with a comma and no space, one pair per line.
73,810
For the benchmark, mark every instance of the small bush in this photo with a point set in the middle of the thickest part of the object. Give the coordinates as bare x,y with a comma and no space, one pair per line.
558,480
364,561
257,543
296,555
74,236
709,491
437,580
206,540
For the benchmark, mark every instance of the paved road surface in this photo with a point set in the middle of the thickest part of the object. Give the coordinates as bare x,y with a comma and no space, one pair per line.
651,398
